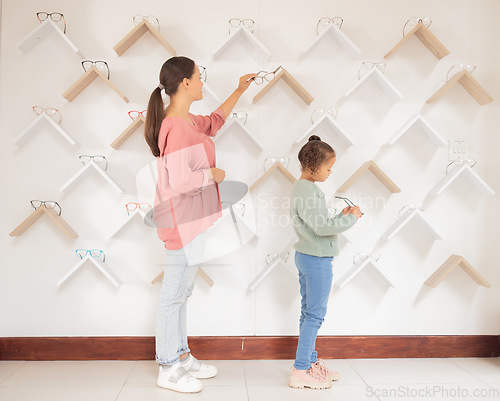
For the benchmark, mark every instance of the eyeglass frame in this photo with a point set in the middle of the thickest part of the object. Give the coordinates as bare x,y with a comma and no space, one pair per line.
234,115
374,255
420,207
139,113
349,202
241,21
325,111
89,251
44,204
419,20
278,159
95,63
275,257
461,68
329,21
236,204
263,77
374,64
137,205
92,157
146,17
44,110
203,71
468,161
50,15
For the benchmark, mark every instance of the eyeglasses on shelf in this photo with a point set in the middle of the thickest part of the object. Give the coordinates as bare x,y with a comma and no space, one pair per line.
325,21
236,22
470,162
48,204
150,18
238,207
420,207
51,112
97,158
455,69
241,116
271,161
56,17
317,113
413,22
134,114
95,253
272,257
265,76
131,206
102,66
374,255
368,65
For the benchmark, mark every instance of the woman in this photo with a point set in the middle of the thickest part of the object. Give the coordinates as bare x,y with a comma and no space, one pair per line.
187,203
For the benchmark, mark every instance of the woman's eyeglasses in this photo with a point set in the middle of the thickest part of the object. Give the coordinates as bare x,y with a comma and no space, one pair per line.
150,18
56,17
134,114
48,204
131,206
95,253
271,161
97,158
368,65
240,116
265,76
203,73
236,22
414,21
317,113
272,257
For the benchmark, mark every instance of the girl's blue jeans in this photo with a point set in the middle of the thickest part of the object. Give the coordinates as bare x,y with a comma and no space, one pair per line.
177,286
315,278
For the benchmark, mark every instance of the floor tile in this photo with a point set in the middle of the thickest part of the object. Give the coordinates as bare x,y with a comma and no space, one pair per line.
336,392
230,373
347,374
96,373
445,391
268,373
209,393
8,368
58,393
416,370
485,369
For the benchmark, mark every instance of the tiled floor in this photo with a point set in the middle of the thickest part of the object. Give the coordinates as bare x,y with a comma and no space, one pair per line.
360,379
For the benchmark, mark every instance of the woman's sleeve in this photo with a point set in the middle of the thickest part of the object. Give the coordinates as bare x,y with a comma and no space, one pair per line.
312,210
212,123
178,161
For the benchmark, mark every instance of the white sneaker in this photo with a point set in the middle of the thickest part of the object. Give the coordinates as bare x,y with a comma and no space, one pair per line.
178,379
197,369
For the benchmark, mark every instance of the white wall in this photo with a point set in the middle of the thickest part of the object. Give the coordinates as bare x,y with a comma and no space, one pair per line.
88,304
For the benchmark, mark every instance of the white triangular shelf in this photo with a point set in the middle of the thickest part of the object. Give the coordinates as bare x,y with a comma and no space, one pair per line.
381,80
235,121
422,124
40,33
243,32
356,268
473,177
38,123
144,218
404,219
69,184
329,120
334,31
269,268
276,166
103,268
205,88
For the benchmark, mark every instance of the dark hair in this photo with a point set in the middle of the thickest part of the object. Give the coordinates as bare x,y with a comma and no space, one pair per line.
314,153
172,73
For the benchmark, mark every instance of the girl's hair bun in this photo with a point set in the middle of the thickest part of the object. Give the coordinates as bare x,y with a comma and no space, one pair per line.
314,138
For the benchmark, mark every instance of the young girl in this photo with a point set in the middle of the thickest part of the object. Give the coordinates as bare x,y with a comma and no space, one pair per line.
187,203
317,245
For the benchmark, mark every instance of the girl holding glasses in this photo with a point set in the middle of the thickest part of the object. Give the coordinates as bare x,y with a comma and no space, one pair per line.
187,203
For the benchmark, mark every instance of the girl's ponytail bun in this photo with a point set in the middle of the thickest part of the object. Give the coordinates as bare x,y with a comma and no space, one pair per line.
314,138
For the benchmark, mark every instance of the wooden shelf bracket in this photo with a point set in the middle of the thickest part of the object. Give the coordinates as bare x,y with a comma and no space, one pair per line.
377,172
276,166
427,38
128,132
86,79
54,217
449,265
136,33
291,81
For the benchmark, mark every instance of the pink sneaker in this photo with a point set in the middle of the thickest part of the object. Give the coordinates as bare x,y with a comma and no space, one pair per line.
321,368
310,378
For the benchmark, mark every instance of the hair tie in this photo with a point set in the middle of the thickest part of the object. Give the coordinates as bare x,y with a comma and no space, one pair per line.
161,86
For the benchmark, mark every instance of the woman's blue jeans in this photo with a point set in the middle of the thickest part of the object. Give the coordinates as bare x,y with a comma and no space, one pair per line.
177,286
315,278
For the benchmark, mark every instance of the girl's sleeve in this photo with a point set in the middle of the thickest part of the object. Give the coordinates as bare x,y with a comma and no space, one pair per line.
312,210
212,123
177,160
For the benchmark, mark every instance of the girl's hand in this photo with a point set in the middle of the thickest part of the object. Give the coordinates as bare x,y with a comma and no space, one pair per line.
245,82
217,174
356,211
346,210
